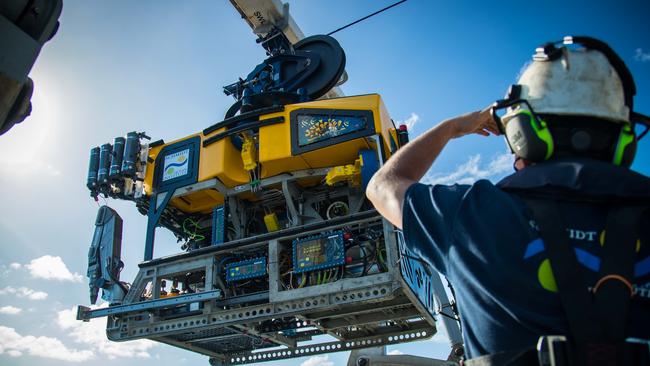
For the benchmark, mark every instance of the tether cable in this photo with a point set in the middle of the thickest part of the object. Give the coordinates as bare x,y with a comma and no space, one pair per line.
366,17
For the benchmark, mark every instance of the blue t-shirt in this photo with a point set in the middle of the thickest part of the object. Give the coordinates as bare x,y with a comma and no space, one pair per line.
484,241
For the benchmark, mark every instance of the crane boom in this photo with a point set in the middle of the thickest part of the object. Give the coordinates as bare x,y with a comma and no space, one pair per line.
263,15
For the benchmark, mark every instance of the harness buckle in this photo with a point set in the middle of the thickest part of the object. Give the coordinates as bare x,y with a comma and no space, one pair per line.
553,350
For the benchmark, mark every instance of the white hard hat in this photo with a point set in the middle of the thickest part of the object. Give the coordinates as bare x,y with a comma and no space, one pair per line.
591,82
581,82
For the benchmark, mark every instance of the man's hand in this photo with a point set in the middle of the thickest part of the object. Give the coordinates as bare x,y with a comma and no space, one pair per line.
387,188
479,122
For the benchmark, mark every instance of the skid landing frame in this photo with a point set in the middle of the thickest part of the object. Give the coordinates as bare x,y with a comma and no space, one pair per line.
369,311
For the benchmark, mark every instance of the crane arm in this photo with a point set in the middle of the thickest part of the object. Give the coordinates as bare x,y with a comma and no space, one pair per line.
263,15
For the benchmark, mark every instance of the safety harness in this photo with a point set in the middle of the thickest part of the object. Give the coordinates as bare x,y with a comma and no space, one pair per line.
597,313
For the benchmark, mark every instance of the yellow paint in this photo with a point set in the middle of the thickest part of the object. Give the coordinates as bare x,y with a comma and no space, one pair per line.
545,276
148,177
249,153
271,222
221,160
200,201
350,173
275,141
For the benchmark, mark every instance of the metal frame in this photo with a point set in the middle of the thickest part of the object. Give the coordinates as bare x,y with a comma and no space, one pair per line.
159,201
85,313
358,312
367,302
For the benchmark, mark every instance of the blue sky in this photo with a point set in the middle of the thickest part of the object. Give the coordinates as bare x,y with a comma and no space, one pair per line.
158,66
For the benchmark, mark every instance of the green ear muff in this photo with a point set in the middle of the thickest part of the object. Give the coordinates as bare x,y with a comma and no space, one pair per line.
528,137
625,147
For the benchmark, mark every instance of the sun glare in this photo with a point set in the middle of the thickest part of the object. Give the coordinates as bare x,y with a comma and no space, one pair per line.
23,149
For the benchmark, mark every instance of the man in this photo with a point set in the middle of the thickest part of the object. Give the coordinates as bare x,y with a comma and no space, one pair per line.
570,123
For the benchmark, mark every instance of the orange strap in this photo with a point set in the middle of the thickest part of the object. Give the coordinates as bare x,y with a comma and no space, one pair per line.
625,281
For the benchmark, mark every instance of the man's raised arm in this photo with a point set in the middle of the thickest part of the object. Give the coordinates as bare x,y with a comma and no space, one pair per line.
388,186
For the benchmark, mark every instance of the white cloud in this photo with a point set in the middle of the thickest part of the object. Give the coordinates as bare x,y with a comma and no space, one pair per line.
24,292
14,353
10,310
410,122
318,361
395,352
93,334
51,268
473,170
16,345
15,265
642,56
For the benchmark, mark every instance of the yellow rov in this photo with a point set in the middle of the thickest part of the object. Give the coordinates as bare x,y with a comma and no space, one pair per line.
278,244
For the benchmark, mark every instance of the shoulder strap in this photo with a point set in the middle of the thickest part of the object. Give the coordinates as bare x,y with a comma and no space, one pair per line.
613,291
597,320
569,275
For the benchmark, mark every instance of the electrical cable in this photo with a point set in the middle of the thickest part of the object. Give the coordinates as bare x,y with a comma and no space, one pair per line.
380,255
193,235
366,17
365,256
291,280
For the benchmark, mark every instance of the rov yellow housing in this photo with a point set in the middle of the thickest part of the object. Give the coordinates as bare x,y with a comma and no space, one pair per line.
318,134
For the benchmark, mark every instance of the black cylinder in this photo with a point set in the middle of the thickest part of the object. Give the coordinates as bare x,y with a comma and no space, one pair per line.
131,150
93,167
115,171
104,164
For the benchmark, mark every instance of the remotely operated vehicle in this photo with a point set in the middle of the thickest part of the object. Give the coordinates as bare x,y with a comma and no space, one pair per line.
278,244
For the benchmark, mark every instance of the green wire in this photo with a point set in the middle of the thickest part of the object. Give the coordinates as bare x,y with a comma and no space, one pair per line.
326,276
381,256
193,235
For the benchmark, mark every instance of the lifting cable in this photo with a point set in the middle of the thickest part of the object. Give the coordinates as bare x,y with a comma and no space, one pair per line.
366,17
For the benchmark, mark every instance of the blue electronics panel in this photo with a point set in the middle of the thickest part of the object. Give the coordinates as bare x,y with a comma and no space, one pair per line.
219,224
318,252
243,270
